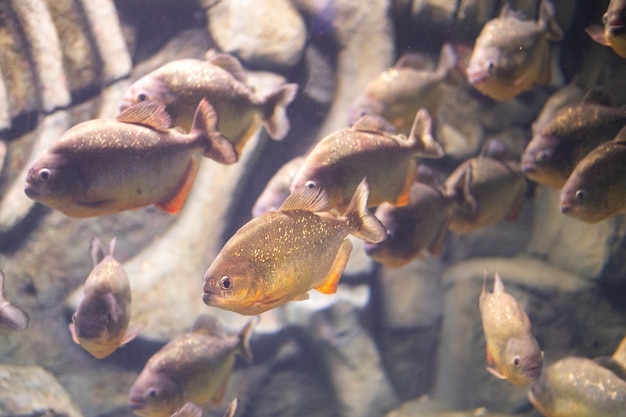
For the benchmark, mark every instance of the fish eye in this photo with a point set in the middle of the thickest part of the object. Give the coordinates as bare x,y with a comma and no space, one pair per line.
109,317
44,174
516,361
490,66
142,97
580,195
543,156
226,283
310,184
152,393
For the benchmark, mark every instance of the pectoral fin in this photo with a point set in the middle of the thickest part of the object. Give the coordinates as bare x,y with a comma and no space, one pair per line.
73,332
495,373
596,32
131,333
174,204
329,286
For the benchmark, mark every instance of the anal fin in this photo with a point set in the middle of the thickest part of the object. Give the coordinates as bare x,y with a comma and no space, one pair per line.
329,286
174,204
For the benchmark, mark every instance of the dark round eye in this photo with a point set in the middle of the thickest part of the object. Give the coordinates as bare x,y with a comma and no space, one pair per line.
543,156
490,66
142,97
152,393
580,195
516,361
226,283
310,184
44,174
109,317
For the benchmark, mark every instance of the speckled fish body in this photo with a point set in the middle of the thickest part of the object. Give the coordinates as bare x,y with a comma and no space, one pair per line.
554,151
420,225
596,189
399,92
277,189
487,190
578,387
193,367
181,84
12,317
567,95
102,167
101,320
512,53
368,149
281,255
512,349
613,33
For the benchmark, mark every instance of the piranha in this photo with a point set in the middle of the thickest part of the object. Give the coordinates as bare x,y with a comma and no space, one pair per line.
596,189
554,151
512,351
421,224
193,410
100,323
613,33
220,79
512,53
12,317
400,91
487,188
578,387
564,96
193,367
103,167
281,255
369,149
277,189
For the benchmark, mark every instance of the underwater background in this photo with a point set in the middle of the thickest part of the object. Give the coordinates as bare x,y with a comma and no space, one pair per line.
393,341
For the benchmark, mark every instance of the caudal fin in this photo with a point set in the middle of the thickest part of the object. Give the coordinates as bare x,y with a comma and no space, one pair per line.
218,147
275,118
365,225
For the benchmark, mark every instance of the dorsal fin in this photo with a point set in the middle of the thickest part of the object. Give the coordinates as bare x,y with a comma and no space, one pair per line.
230,64
306,198
96,251
374,124
146,113
507,11
413,60
208,325
598,95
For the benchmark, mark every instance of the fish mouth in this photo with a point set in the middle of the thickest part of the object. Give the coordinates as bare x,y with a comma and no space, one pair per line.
30,190
136,402
477,76
534,371
566,207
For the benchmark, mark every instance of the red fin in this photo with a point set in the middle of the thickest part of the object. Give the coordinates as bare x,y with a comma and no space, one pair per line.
146,113
176,203
334,275
403,198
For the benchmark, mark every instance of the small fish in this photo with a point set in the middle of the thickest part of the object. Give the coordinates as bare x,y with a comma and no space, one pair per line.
578,387
596,189
220,79
277,189
487,188
281,255
554,151
399,92
369,149
102,167
12,317
193,410
193,367
100,323
512,351
613,33
421,224
512,53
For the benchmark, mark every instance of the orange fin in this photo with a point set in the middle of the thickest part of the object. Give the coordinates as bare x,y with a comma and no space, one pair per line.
176,203
334,275
146,113
488,354
404,196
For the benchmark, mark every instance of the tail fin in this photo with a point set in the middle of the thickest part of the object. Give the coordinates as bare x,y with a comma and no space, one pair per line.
421,137
366,225
275,118
218,147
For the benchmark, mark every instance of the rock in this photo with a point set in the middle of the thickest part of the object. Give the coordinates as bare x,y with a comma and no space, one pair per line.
364,37
552,299
352,363
427,408
265,34
567,243
320,81
31,391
